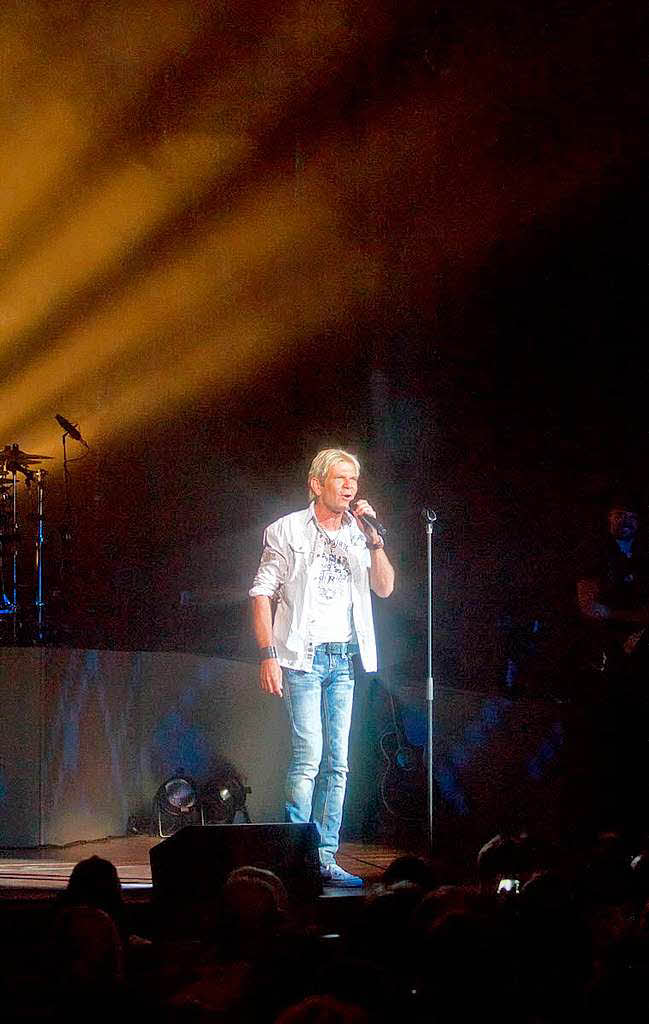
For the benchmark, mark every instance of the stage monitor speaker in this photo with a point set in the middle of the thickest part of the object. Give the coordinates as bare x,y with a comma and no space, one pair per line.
190,867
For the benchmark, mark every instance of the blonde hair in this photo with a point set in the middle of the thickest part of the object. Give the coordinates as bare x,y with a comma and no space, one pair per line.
323,462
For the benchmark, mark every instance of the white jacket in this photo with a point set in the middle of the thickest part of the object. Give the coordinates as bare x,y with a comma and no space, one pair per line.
287,572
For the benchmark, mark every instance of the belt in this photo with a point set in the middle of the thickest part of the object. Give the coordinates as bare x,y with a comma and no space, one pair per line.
350,647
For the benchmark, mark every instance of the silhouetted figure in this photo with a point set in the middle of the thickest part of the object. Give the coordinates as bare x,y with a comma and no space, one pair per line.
505,858
323,1010
613,600
94,882
554,948
409,868
88,951
245,931
254,905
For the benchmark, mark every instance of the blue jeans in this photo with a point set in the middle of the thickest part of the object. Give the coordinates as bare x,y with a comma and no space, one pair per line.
319,705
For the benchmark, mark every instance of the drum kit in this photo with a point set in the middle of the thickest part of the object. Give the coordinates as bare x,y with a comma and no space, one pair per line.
16,467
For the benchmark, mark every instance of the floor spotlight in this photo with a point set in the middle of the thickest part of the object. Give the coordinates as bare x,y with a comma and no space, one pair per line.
222,798
175,805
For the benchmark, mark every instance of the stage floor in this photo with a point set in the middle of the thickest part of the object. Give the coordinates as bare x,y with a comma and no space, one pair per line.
44,871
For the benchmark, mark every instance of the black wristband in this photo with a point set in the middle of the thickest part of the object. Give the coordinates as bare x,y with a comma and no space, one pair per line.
267,652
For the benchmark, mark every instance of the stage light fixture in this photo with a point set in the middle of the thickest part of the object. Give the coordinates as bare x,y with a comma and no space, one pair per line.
176,804
222,798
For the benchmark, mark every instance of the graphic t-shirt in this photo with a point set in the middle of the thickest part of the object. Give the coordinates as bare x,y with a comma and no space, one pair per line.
332,600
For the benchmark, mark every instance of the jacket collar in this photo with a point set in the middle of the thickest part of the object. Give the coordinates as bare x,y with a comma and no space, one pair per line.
309,513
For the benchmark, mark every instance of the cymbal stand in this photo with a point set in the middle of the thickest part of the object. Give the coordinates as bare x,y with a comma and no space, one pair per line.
16,467
41,476
6,510
14,553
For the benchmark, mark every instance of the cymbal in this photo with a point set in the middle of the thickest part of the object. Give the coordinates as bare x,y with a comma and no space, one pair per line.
11,453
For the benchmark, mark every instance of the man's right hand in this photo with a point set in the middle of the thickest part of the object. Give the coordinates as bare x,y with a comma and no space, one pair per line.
270,676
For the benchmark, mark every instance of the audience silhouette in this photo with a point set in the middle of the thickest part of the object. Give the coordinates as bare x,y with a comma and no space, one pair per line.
569,942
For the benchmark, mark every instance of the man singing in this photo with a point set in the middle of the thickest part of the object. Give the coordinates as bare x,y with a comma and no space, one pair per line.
316,570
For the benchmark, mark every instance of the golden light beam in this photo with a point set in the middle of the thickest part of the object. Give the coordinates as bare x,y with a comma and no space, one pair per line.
434,154
277,222
71,87
131,201
310,298
119,215
217,264
110,224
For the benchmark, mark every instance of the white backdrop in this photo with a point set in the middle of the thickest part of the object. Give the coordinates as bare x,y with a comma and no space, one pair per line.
86,738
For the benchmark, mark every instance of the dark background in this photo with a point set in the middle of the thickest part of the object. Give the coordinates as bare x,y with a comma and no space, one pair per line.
495,369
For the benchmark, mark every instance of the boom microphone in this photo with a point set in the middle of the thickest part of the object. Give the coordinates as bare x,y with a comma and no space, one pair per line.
70,429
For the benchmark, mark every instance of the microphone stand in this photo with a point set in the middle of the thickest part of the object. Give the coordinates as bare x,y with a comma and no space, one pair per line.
67,537
429,518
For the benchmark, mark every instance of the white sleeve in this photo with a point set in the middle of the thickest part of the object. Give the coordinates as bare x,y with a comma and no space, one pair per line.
273,566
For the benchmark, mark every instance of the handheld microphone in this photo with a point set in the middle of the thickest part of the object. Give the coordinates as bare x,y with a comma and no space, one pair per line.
370,521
